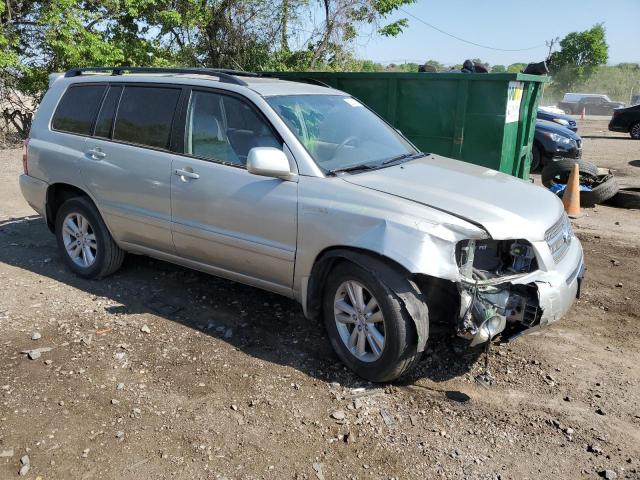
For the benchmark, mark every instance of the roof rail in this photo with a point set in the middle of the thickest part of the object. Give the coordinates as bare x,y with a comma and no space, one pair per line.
309,80
226,76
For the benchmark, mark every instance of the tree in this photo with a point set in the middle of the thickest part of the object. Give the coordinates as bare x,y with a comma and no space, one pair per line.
342,17
477,61
516,67
498,69
579,55
435,64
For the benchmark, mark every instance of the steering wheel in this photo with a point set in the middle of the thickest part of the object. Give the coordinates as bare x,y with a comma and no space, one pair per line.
345,142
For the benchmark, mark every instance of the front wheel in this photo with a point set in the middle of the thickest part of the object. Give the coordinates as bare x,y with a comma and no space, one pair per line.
84,240
369,328
536,158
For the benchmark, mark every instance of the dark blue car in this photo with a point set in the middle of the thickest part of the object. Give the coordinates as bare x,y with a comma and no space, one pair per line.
552,141
562,120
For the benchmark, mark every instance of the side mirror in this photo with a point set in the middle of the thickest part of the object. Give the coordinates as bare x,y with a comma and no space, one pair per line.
268,162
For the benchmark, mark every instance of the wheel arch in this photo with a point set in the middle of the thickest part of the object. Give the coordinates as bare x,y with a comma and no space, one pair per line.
396,277
57,194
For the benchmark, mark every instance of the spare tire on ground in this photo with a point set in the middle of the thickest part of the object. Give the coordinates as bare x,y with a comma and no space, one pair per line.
558,171
627,197
603,187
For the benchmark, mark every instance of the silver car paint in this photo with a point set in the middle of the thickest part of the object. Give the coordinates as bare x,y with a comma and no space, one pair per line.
235,220
132,186
403,217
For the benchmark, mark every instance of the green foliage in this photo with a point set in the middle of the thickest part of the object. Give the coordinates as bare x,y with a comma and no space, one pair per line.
498,69
435,64
516,67
620,82
384,8
579,56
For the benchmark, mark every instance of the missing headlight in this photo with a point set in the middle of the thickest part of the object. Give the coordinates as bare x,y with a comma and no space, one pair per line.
484,259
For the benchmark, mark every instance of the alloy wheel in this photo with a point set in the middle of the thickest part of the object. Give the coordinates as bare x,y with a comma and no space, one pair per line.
359,321
79,240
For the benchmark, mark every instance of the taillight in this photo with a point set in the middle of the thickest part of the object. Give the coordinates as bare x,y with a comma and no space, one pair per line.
25,166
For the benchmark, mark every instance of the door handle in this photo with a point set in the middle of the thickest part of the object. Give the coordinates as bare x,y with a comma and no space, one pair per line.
187,174
96,154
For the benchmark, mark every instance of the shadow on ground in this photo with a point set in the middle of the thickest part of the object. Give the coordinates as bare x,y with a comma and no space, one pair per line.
259,323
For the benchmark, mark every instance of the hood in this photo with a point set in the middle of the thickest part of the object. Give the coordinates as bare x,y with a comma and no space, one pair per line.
547,126
505,206
543,115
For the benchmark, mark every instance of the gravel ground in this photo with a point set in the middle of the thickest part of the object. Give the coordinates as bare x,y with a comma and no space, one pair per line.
161,372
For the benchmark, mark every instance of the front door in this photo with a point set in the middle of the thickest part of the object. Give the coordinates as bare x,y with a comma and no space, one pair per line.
242,225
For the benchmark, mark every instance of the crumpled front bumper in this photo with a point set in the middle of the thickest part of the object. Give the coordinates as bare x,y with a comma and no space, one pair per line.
557,288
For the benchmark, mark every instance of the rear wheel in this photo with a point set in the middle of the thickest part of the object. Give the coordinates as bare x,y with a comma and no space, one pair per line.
634,131
368,326
84,241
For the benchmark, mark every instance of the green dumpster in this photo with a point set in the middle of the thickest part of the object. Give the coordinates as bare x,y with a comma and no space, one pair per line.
485,119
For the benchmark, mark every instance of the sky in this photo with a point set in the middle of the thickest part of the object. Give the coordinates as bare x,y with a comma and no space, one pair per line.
503,24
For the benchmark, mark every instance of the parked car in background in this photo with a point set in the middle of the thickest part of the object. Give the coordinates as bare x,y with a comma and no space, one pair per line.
559,118
553,141
590,103
301,190
635,100
551,109
626,120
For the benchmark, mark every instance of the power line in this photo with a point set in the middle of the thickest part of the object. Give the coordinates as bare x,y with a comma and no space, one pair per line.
468,41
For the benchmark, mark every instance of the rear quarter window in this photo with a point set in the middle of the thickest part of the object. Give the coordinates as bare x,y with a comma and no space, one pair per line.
77,109
145,115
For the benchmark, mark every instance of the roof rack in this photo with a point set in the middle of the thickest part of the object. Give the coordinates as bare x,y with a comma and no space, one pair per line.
224,75
309,80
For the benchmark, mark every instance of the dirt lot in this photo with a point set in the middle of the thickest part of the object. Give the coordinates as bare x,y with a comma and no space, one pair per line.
232,382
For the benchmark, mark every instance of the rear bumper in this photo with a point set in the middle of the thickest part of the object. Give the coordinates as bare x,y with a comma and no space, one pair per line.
34,192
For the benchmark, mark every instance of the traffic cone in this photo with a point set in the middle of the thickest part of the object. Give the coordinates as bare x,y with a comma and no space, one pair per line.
584,112
571,195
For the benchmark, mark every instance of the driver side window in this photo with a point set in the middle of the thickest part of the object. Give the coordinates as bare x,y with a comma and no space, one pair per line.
223,129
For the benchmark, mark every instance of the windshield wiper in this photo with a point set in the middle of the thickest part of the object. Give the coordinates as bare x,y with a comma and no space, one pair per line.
354,168
404,156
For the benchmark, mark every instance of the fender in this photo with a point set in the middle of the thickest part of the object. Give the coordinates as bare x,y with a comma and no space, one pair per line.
394,277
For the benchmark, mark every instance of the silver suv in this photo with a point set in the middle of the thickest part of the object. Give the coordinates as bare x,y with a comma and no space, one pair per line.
301,190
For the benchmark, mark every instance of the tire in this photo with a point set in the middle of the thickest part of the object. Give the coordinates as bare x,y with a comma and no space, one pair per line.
399,353
107,256
559,171
626,198
634,131
536,158
605,189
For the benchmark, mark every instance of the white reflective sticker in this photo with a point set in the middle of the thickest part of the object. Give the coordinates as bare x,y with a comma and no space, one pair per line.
353,102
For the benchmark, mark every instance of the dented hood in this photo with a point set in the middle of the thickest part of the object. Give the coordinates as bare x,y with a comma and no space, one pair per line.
505,206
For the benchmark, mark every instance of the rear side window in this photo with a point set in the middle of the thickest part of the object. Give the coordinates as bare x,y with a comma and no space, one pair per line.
107,113
78,108
145,115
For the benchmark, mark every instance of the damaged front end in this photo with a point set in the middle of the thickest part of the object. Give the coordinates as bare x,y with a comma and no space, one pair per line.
490,303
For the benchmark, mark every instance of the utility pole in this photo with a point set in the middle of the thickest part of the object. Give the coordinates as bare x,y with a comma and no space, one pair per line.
550,44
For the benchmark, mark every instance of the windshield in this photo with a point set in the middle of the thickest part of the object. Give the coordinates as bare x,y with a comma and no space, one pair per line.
339,132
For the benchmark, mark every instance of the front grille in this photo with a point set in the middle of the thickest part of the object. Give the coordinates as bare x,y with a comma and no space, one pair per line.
558,237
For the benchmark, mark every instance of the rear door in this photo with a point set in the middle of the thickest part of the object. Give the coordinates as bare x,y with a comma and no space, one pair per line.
127,163
241,225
